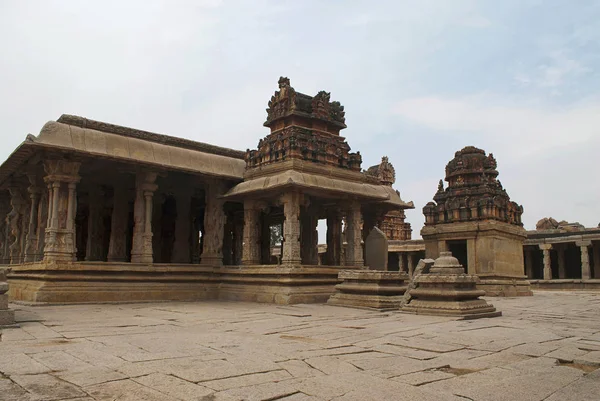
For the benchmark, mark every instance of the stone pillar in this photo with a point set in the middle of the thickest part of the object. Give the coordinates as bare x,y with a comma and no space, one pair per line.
291,229
94,245
596,250
14,221
214,225
238,238
4,210
183,224
228,240
309,241
560,250
62,175
547,262
529,263
585,259
251,234
31,241
334,238
401,263
354,250
117,251
411,264
141,247
42,224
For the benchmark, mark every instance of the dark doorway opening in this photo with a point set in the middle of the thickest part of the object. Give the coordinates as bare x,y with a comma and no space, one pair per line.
459,251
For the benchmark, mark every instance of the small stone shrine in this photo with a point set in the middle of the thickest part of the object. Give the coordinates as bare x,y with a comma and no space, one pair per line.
475,219
448,291
7,316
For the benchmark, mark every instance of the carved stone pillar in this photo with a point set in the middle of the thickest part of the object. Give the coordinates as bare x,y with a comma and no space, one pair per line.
401,262
291,229
585,259
183,225
251,237
214,225
596,255
547,261
334,238
94,245
560,250
62,175
411,264
4,209
309,239
529,263
238,238
141,249
15,224
354,249
42,219
117,246
32,238
228,241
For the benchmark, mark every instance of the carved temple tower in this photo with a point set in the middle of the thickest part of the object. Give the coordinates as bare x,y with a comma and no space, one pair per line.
475,219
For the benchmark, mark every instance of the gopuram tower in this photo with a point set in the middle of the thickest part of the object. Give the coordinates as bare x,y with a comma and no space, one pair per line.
474,218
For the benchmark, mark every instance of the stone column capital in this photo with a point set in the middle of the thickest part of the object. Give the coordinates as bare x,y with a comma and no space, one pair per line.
545,247
584,243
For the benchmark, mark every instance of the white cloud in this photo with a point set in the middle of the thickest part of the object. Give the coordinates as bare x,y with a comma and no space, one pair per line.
546,156
519,130
475,21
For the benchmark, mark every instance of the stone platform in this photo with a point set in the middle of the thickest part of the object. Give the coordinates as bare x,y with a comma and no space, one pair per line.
228,351
94,282
566,284
380,290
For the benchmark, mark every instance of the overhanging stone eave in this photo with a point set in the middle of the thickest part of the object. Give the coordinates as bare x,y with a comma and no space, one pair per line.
28,148
294,179
16,159
110,146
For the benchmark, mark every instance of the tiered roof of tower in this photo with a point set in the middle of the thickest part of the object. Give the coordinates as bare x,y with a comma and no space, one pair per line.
304,127
393,223
473,192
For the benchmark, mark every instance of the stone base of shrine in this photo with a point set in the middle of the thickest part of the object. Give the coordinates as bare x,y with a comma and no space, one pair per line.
283,285
465,310
566,284
99,282
504,286
370,289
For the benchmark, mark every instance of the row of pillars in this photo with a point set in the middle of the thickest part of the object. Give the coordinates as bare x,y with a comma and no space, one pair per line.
407,262
297,227
44,228
584,247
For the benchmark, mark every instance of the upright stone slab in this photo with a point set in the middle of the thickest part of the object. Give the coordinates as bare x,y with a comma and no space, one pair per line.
376,250
447,291
7,316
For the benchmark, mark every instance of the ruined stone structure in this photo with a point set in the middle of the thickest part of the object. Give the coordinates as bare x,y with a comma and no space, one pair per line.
446,290
474,218
562,255
100,212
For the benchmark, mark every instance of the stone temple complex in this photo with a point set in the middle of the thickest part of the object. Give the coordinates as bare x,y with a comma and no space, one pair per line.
99,212
96,212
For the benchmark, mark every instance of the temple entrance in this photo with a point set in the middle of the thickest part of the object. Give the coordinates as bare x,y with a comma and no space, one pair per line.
459,251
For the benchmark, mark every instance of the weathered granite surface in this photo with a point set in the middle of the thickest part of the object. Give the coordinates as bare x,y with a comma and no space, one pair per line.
544,347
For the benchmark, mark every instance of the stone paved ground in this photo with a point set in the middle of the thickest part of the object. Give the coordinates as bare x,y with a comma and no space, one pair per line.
545,347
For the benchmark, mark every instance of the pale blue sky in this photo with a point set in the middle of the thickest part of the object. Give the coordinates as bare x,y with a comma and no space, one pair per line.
419,80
